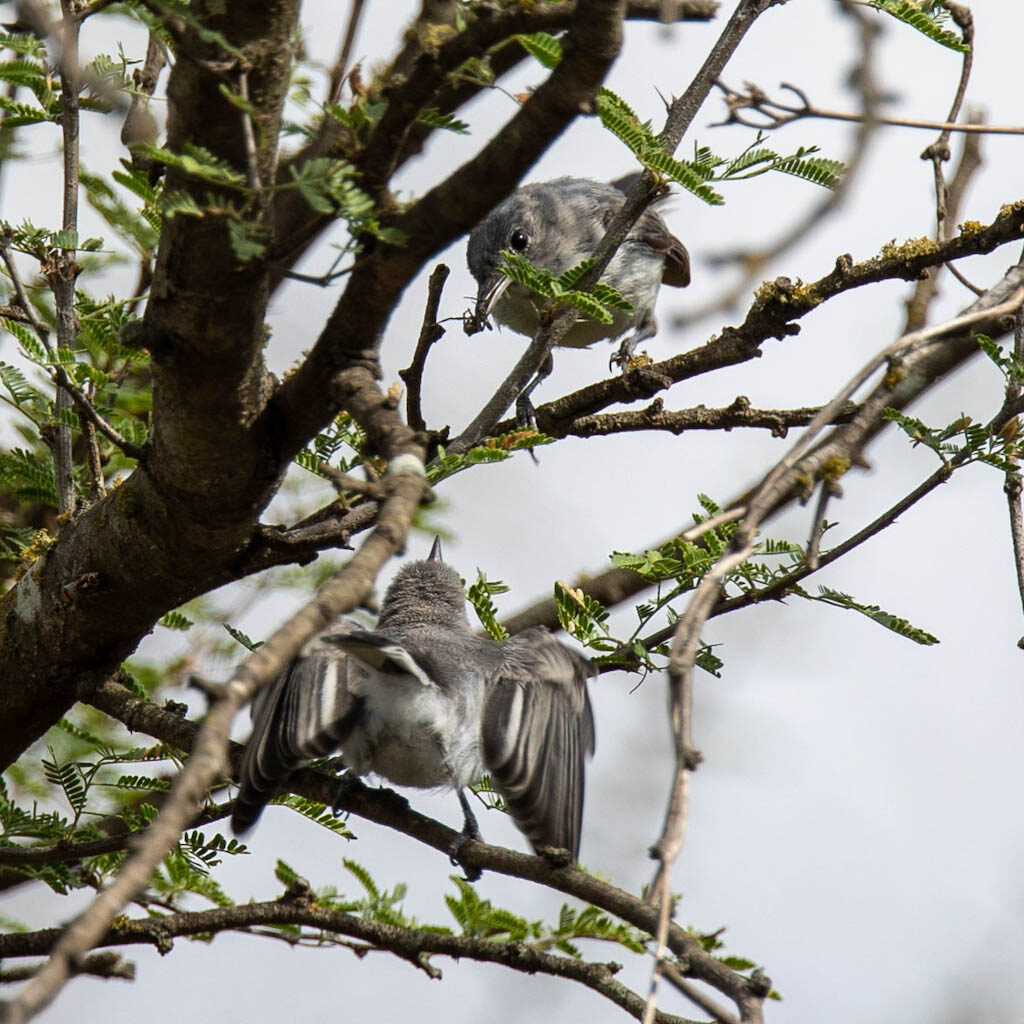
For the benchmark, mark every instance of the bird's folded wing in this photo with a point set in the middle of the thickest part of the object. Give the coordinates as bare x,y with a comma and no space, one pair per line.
537,731
653,231
305,713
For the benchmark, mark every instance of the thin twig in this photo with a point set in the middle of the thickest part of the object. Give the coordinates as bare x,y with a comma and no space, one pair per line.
343,482
926,288
323,280
550,333
938,152
29,314
768,491
74,853
97,965
710,1006
92,450
818,526
89,414
1013,484
680,682
680,671
430,332
252,165
752,262
340,68
62,270
777,114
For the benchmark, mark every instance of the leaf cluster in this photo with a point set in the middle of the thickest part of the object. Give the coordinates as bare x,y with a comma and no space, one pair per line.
600,303
928,18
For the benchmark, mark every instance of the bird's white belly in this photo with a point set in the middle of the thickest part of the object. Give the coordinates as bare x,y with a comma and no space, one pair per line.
409,735
519,309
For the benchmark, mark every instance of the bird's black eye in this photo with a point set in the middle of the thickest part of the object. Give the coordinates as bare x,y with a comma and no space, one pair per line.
519,240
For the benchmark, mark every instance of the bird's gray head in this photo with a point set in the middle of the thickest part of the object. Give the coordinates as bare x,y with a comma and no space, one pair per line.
428,591
556,225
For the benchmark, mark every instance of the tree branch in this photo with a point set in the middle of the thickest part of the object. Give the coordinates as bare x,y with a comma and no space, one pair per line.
862,78
387,808
613,586
739,414
777,305
409,944
208,759
98,965
450,208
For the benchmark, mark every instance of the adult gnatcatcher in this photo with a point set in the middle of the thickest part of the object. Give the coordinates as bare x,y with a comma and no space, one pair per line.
557,224
422,701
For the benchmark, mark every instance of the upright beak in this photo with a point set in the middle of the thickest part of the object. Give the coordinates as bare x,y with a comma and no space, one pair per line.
487,295
435,551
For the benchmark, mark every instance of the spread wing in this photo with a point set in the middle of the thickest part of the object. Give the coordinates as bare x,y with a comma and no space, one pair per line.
305,713
537,732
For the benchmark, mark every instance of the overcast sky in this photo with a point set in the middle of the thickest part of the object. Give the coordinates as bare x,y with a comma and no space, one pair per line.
856,823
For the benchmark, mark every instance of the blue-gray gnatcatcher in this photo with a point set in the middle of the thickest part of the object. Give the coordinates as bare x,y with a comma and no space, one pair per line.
557,224
424,702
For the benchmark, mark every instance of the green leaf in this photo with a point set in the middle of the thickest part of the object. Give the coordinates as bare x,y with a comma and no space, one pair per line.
65,239
567,280
682,174
69,778
928,24
496,449
133,227
479,595
246,240
25,43
29,341
544,283
544,47
623,122
28,476
240,637
898,625
196,162
18,114
176,621
14,380
581,615
449,122
286,874
363,877
145,783
819,170
317,812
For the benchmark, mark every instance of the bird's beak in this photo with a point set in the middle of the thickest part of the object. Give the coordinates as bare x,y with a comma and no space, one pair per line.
435,551
488,294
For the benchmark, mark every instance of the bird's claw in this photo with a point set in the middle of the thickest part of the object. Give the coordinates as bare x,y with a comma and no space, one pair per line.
526,417
471,874
621,358
627,358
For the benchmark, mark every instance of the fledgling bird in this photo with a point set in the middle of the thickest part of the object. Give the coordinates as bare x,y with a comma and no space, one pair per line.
423,702
557,224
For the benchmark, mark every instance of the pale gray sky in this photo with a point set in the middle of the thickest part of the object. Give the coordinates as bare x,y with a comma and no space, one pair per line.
855,825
